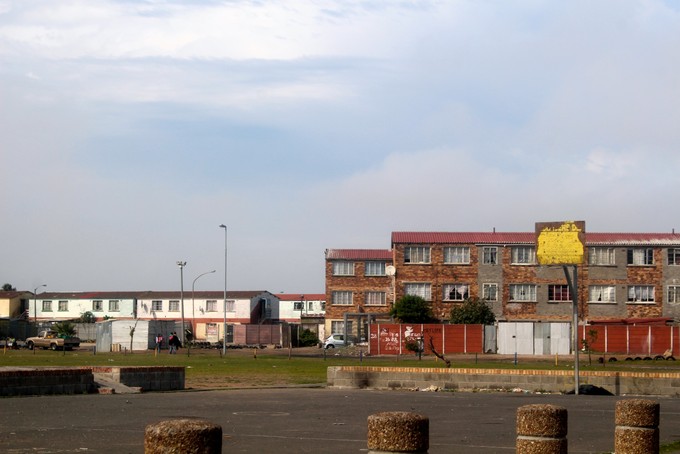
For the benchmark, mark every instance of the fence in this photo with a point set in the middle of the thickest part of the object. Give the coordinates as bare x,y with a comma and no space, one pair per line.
394,339
649,340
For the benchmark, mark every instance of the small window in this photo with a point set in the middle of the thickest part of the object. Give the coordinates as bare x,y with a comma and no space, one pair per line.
490,292
374,268
641,294
174,306
602,256
63,306
421,289
97,305
157,305
674,256
297,306
376,298
342,298
523,292
417,254
456,292
674,293
602,294
231,306
490,255
459,255
211,306
47,306
558,293
641,256
524,255
114,306
342,268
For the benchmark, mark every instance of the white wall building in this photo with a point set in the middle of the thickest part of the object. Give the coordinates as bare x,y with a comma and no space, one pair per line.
68,306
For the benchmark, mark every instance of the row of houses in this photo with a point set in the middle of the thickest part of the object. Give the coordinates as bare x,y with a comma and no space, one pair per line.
623,276
204,312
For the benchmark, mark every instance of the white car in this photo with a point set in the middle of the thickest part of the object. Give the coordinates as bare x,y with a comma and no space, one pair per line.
334,340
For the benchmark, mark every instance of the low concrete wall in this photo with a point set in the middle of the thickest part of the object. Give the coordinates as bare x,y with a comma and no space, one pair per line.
159,378
618,383
27,382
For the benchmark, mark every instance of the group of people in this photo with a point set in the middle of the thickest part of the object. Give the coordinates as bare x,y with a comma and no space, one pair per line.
174,343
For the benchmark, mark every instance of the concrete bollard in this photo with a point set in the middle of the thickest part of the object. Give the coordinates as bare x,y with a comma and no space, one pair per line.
637,426
541,429
189,436
398,431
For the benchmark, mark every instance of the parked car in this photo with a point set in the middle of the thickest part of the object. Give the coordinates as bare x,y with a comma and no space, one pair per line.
50,339
334,340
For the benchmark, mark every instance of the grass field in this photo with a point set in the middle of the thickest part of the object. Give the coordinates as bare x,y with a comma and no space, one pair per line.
281,367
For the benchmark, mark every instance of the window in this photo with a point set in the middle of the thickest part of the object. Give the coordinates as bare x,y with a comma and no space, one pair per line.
601,256
174,306
231,306
456,292
522,292
339,326
211,306
342,298
310,306
674,256
421,289
674,294
343,268
97,305
602,294
490,292
524,255
641,294
376,299
490,255
323,305
641,256
157,305
374,268
559,293
297,306
47,306
457,255
114,306
63,306
417,254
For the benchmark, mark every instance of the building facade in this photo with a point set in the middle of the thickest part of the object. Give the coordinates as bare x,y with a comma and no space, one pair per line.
624,276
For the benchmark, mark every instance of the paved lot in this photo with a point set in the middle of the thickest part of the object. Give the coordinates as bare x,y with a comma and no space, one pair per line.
301,420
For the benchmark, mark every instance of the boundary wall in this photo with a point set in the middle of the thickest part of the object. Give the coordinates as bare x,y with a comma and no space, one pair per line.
469,379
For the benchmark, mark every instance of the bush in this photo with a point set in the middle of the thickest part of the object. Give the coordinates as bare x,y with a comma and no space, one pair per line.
412,309
473,311
308,338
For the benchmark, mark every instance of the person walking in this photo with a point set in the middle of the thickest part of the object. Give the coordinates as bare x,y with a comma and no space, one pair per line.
172,348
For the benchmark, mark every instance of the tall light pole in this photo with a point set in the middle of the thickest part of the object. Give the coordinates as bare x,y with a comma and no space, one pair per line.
224,339
193,316
181,265
35,304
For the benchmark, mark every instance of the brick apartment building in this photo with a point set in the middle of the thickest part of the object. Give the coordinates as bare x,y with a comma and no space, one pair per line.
624,276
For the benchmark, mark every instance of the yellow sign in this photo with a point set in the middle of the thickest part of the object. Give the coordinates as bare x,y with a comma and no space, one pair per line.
560,243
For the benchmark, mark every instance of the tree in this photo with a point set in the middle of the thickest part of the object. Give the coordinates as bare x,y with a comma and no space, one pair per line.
473,311
64,329
87,317
8,288
412,309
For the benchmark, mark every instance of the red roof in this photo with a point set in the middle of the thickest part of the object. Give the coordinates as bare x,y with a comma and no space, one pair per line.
359,254
611,239
296,296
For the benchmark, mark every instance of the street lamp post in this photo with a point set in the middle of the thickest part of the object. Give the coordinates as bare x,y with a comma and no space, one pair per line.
35,304
181,265
224,339
193,314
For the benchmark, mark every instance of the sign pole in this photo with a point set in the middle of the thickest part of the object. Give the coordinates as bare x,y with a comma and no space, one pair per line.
573,288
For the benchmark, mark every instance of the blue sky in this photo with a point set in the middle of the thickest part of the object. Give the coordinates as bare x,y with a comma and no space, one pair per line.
129,130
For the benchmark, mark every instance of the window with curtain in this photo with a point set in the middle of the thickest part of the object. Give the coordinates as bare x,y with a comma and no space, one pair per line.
522,292
490,255
421,289
456,292
641,294
374,268
601,256
342,298
602,294
490,292
343,268
641,256
417,254
559,293
459,255
376,298
523,255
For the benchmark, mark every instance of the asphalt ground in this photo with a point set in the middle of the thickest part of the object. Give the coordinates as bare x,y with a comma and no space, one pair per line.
302,420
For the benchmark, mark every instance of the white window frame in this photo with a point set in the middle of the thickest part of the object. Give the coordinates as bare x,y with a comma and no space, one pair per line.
375,298
97,306
490,292
673,294
211,305
374,268
460,292
524,293
421,289
173,306
338,327
640,257
63,306
601,256
673,256
342,297
490,255
523,255
640,294
157,305
602,294
457,255
114,306
343,268
562,287
417,254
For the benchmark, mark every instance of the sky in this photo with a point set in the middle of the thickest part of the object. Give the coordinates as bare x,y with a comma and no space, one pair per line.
130,130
